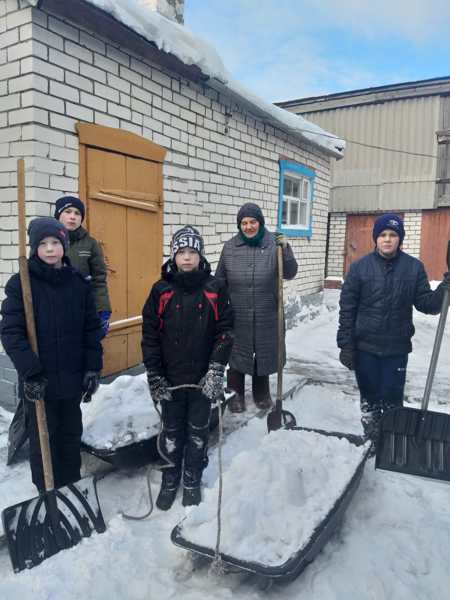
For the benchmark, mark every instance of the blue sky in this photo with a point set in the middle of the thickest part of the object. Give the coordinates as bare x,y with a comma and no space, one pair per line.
286,49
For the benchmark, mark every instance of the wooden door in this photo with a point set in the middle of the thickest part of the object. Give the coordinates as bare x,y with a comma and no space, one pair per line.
435,235
358,239
124,212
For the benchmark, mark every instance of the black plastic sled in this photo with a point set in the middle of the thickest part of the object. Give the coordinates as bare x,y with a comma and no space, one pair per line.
139,454
294,566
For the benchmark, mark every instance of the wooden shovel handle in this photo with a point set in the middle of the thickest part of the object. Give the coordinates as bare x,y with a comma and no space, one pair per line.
31,326
280,326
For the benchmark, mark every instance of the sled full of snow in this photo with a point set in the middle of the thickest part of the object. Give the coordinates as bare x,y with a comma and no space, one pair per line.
131,452
277,522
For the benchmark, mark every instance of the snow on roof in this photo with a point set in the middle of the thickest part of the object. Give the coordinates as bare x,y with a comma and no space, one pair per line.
176,39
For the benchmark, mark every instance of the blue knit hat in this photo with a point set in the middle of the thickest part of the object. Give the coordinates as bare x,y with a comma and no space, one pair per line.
388,221
66,202
43,227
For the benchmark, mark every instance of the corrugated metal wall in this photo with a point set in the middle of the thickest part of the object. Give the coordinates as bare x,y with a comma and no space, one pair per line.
369,179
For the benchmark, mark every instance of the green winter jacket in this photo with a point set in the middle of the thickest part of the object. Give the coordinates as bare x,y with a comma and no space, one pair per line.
85,254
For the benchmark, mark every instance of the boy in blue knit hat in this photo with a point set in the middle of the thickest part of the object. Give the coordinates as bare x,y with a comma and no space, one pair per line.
70,353
85,253
375,319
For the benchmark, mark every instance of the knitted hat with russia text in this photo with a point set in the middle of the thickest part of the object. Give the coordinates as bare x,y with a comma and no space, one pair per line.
66,202
43,227
250,210
186,237
388,221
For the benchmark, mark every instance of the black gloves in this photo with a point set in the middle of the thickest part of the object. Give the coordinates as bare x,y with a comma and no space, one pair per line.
34,388
158,387
281,240
212,382
91,382
347,358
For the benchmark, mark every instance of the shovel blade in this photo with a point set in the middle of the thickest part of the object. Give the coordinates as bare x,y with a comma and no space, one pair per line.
415,442
56,520
276,419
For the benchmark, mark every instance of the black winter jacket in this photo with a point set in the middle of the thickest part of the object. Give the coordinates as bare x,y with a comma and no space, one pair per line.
67,326
377,300
187,323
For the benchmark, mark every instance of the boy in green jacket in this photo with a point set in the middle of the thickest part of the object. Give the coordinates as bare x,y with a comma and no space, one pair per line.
85,253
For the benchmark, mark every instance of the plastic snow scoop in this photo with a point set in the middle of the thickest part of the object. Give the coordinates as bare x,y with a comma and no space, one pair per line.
278,417
17,433
417,441
58,518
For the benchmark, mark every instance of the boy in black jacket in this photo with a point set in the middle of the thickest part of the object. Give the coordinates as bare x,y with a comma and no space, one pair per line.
376,319
70,354
186,339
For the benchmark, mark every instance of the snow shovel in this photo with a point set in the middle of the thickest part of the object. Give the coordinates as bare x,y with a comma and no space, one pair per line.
17,433
278,417
417,441
58,518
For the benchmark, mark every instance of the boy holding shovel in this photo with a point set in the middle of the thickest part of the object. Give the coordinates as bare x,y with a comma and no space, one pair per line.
70,354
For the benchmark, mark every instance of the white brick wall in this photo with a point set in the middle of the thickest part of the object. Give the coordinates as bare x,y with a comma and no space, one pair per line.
413,228
57,74
336,245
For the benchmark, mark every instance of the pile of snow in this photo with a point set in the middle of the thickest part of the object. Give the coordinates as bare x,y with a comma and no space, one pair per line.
296,474
119,414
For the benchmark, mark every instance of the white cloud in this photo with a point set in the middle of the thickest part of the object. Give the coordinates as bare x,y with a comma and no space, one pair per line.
285,49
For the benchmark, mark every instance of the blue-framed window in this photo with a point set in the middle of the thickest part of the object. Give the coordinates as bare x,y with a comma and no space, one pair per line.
296,199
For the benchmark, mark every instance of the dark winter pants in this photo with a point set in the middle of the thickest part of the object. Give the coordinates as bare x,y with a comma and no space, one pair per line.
381,381
185,435
65,428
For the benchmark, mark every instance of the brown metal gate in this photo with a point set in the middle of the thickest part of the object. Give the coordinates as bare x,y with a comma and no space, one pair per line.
358,239
434,239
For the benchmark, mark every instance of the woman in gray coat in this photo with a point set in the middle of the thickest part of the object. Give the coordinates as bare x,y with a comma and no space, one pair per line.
248,264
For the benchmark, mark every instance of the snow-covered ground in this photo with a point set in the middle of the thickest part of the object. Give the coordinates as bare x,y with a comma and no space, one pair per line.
392,545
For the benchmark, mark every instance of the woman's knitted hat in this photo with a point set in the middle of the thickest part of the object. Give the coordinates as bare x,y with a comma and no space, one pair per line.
250,210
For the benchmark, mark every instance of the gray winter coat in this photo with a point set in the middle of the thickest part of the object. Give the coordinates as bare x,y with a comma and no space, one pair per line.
251,276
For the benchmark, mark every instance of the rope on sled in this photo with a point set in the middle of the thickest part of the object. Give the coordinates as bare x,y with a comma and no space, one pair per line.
217,565
152,468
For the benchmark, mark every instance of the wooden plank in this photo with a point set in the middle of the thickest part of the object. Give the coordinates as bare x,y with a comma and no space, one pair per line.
131,194
122,201
117,140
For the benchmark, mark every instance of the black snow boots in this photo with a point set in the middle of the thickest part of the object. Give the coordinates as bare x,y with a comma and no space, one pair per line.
168,491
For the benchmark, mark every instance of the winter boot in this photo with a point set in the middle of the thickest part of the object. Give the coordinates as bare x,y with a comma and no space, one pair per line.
236,382
261,391
168,491
192,496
